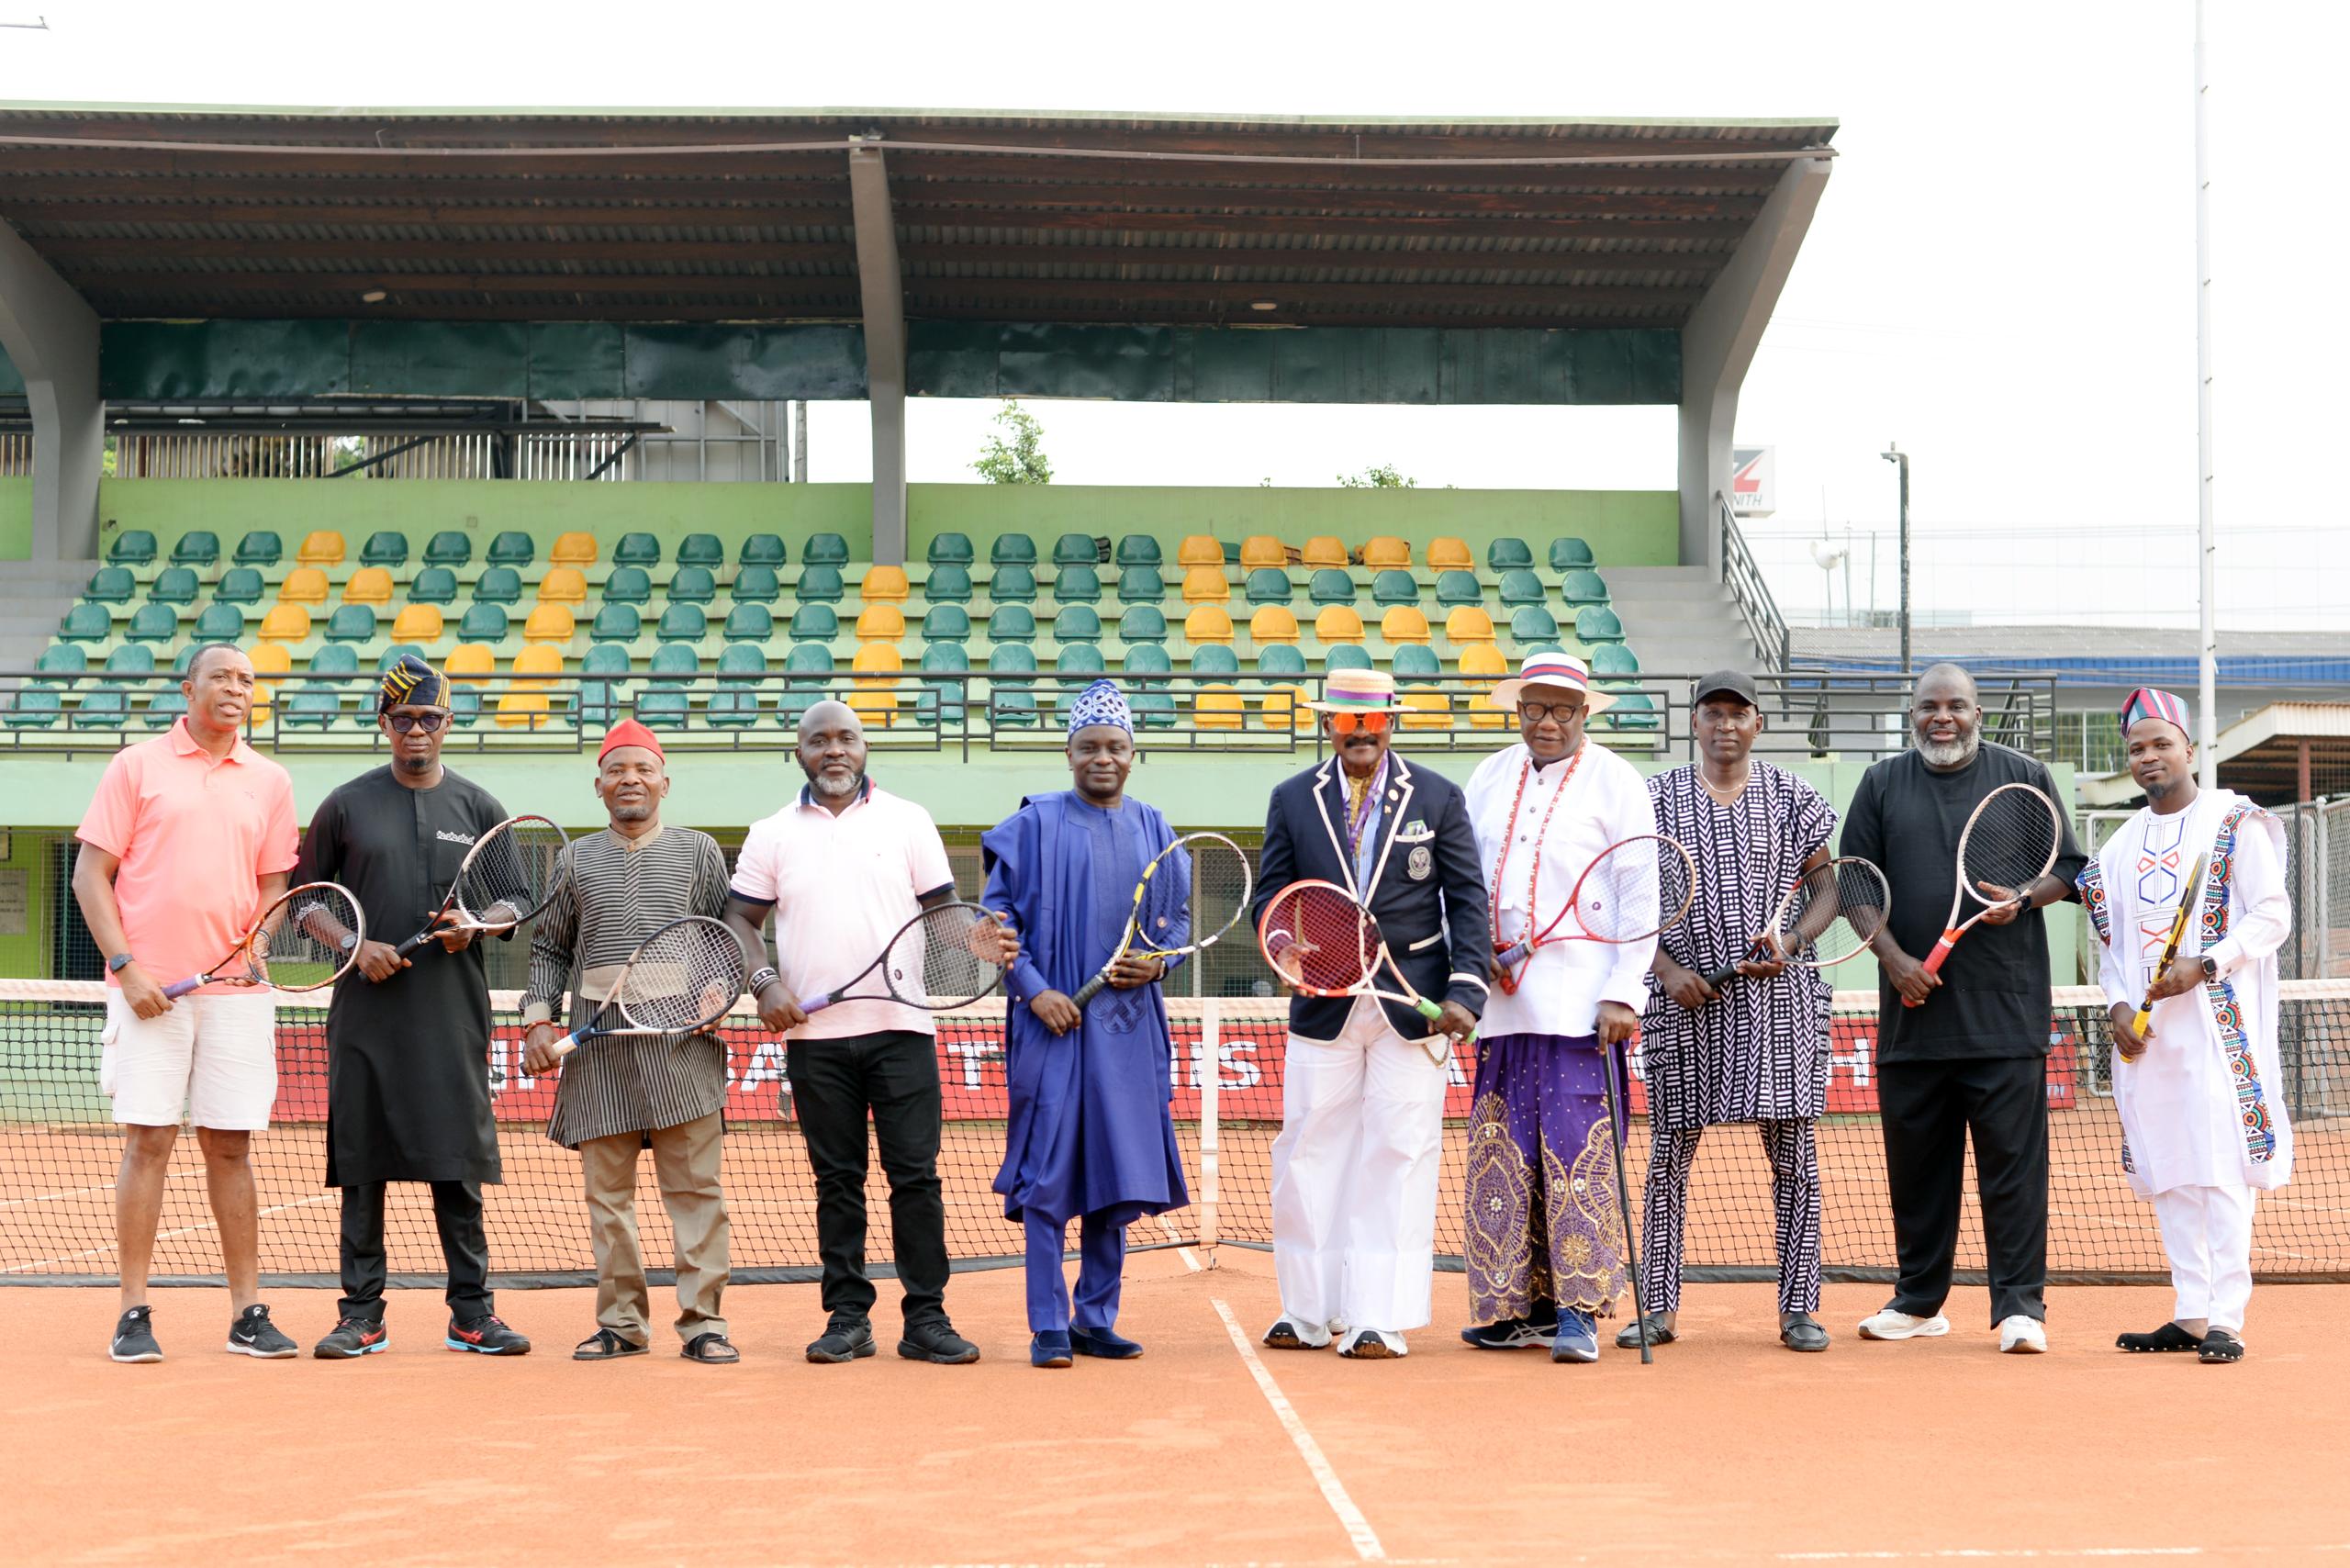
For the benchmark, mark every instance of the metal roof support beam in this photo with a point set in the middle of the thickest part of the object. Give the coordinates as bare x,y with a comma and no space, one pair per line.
1718,343
884,295
51,334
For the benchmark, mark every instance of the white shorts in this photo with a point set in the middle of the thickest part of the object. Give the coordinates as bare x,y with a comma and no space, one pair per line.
212,1060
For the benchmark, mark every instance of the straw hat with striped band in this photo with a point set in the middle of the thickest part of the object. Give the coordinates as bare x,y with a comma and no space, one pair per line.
1562,673
1357,692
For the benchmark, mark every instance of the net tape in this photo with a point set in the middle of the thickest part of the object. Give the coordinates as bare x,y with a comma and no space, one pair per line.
58,1151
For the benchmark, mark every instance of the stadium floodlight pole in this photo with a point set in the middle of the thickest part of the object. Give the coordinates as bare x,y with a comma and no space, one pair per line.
2207,663
1893,454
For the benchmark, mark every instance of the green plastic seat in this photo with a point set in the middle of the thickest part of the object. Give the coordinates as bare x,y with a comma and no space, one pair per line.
1330,585
752,585
675,658
1534,624
693,585
86,623
1138,550
701,550
464,706
1153,710
1614,658
825,550
1393,586
394,654
218,622
949,550
1214,659
130,658
1011,549
450,548
154,623
735,706
1143,623
1078,624
809,658
1077,584
1507,551
1076,550
747,623
483,624
663,705
198,549
762,550
1140,584
1267,585
1282,658
1078,658
351,623
934,696
1582,586
174,586
1519,587
949,584
741,658
684,623
815,624
1144,659
164,708
434,585
605,659
133,547
499,584
637,549
336,659
1012,623
1014,584
238,585
821,584
1567,552
513,548
1011,659
260,547
385,547
1415,661
1632,711
599,700
311,708
945,623
1597,623
104,707
1458,587
618,623
72,658
1012,705
946,657
110,584
627,585
36,708
1346,655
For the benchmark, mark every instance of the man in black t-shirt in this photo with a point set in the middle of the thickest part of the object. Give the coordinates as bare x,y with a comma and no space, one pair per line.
1970,1060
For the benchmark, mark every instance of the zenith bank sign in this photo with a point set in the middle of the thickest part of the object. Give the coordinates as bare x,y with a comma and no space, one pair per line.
1753,480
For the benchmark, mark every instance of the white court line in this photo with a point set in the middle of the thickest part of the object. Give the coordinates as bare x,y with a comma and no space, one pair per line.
1190,1255
1990,1554
85,1192
1334,1491
166,1236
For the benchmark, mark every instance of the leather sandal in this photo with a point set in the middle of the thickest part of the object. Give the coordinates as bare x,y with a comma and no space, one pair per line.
605,1345
712,1349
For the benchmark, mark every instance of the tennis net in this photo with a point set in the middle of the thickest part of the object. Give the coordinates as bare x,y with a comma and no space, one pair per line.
58,1150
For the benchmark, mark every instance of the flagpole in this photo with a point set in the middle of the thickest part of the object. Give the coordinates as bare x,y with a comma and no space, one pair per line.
2207,546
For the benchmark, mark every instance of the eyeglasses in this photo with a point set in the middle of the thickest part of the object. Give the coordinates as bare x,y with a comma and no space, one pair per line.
429,723
1371,724
1535,712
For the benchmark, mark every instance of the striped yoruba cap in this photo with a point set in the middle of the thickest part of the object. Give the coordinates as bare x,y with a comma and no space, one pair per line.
2148,703
411,682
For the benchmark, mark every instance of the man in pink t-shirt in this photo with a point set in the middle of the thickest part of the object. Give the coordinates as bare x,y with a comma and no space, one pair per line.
188,837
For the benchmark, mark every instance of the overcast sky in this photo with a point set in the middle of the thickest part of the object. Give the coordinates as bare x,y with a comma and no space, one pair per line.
2000,277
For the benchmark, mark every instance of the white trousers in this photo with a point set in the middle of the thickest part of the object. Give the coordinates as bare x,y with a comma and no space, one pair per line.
2207,1232
1355,1176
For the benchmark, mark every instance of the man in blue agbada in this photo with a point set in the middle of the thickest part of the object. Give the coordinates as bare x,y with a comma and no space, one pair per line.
1091,1135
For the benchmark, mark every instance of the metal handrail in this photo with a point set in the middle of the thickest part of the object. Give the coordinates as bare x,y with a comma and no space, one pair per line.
1743,576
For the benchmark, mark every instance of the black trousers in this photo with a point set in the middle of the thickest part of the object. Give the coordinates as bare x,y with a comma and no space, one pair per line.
1929,1110
893,1075
457,1212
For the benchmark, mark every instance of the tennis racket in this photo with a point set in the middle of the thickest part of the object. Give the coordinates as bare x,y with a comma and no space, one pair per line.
1830,913
1191,894
2187,903
508,877
1322,943
947,956
306,939
2008,844
1633,889
679,981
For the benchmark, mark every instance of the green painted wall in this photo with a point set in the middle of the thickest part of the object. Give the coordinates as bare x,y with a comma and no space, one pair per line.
17,518
27,857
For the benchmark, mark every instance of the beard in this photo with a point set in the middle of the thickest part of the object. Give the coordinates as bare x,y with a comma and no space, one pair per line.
1949,754
822,784
409,764
635,812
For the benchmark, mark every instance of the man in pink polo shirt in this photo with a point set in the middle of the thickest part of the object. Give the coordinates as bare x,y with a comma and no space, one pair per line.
189,836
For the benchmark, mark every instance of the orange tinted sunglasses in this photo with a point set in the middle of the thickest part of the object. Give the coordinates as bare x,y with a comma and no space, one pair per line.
1373,723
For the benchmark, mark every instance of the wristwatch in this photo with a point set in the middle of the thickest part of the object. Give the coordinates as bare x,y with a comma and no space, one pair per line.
349,941
2210,967
117,963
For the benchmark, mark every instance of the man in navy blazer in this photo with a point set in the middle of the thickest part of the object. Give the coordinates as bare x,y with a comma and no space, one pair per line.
1364,1083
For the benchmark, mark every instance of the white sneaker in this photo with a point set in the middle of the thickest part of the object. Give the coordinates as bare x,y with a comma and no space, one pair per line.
2022,1335
1373,1345
1296,1334
1892,1324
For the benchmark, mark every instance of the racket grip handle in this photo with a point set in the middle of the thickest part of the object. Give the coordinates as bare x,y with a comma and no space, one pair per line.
178,989
2145,1016
1933,964
1090,990
567,1044
1722,975
1511,956
413,942
817,1004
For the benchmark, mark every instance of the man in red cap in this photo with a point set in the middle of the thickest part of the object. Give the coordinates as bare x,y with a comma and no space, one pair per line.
617,887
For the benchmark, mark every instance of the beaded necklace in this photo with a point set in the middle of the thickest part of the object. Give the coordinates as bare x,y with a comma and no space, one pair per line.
1534,875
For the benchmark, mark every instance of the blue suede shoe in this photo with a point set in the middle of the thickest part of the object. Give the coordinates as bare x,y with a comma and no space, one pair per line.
1049,1349
1101,1342
1577,1339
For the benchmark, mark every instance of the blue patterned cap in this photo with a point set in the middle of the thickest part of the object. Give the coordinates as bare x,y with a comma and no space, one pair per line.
1101,704
411,681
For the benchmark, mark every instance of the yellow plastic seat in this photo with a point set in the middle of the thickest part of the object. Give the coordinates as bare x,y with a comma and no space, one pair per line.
323,548
304,585
1324,550
1467,624
1338,623
1262,550
880,623
563,585
1385,549
1403,623
470,661
418,624
877,658
550,623
1208,624
1199,550
368,585
1484,659
1218,708
1485,713
874,710
885,585
1447,554
285,623
523,710
538,659
875,700
1273,623
273,662
1205,585
574,550
1285,709
1426,708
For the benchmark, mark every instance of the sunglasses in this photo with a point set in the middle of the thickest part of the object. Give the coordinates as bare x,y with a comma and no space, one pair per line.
1371,724
1535,712
429,723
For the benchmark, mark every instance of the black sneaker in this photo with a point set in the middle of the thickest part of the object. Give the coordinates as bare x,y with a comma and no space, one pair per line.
134,1336
353,1337
253,1334
487,1334
935,1339
844,1339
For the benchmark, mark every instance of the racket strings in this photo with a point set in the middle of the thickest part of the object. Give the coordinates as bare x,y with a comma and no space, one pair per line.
298,945
1634,889
2010,842
1835,910
945,959
685,976
1211,897
511,874
1318,939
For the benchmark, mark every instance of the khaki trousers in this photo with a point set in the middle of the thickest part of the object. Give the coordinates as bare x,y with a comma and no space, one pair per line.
685,1158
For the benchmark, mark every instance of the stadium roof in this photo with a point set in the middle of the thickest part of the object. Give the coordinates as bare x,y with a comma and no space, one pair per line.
666,215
